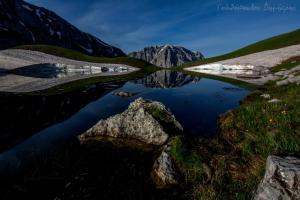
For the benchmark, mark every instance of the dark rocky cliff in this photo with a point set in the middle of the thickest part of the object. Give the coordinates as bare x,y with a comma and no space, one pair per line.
23,23
167,55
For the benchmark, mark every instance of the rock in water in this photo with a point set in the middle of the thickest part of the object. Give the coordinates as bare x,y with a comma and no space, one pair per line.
23,23
281,180
144,121
125,94
147,122
167,55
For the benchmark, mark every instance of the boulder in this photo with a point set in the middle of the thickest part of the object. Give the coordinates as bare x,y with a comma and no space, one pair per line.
143,121
163,172
281,180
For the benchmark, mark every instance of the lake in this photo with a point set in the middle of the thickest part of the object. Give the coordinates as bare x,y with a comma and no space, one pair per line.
39,124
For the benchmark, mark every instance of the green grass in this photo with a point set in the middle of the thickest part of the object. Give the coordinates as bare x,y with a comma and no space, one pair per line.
247,135
284,40
287,64
71,54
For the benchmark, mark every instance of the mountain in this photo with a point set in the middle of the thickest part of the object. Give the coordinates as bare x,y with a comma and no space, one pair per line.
167,55
167,79
23,23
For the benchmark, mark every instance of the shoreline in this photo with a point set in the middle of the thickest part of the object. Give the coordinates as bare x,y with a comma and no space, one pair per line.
14,58
260,62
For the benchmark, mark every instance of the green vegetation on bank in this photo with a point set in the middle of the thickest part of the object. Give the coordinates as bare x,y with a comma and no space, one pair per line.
75,55
231,165
284,40
287,64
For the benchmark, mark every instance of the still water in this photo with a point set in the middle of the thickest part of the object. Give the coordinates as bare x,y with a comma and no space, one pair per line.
196,103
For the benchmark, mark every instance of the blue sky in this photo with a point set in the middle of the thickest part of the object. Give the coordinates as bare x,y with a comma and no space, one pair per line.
211,27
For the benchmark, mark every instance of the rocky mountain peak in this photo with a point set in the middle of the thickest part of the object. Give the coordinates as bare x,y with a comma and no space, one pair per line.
167,55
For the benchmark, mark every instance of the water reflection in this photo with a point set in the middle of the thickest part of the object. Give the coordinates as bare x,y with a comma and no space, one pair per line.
61,70
24,115
219,69
167,79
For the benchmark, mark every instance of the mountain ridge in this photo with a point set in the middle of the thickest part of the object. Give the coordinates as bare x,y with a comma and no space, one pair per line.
22,23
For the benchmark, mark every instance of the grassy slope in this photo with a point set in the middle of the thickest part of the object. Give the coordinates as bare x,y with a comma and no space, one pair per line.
247,135
71,54
284,40
146,68
287,64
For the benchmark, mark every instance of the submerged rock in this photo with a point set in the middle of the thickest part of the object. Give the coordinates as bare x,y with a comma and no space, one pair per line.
281,180
125,94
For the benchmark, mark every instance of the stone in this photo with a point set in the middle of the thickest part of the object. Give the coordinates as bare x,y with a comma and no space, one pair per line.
143,121
125,94
281,179
163,172
274,100
266,96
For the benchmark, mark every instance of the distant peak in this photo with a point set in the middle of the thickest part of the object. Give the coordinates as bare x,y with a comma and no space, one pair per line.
167,55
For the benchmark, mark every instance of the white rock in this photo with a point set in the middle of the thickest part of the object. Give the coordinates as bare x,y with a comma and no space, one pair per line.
274,101
135,123
266,96
163,173
281,180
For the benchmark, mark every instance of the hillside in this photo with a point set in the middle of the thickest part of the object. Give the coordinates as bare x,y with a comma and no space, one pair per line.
284,40
75,55
23,23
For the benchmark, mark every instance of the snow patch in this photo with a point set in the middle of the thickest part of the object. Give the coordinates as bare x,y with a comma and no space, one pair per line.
165,47
32,36
4,29
49,20
27,7
37,12
20,22
102,43
218,68
51,32
58,34
87,49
